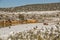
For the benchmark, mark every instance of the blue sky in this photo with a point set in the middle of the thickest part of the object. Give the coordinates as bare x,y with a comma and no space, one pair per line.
13,3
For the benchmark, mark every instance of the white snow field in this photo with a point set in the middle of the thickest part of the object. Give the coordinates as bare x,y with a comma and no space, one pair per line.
5,32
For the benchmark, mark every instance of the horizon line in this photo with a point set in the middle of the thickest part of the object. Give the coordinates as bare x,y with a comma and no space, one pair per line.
28,4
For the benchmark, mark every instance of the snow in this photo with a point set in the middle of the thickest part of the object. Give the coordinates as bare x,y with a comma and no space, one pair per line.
24,27
40,12
31,12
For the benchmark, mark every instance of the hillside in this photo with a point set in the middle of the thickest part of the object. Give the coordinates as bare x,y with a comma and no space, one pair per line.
34,7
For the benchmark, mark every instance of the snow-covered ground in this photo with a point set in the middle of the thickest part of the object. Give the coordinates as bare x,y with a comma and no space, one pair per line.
5,32
31,12
40,12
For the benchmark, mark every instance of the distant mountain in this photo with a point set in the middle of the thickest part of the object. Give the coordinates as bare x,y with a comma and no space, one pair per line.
34,7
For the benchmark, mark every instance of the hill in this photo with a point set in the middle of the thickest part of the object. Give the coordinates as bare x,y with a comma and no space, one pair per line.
34,7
